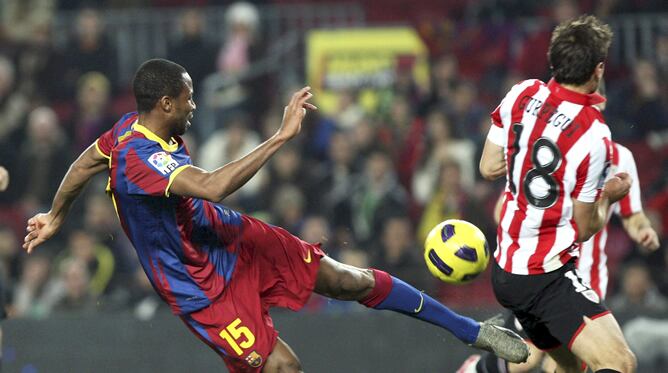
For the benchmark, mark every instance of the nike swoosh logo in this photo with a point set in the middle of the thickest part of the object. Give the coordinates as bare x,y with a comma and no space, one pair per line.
307,259
417,310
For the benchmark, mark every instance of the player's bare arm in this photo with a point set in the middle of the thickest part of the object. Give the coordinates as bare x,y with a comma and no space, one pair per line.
590,218
43,226
492,161
640,230
216,185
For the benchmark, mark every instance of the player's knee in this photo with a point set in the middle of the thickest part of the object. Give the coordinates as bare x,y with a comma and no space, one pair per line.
622,359
282,364
629,361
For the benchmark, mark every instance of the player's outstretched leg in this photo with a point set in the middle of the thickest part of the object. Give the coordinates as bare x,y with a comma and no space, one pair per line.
490,363
377,289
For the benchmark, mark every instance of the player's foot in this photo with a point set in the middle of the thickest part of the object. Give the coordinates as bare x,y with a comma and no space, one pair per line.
469,365
502,342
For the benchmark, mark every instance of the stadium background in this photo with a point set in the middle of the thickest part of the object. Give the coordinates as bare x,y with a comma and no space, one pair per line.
393,152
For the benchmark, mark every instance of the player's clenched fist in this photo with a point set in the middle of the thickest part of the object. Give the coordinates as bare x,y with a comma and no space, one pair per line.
618,186
294,113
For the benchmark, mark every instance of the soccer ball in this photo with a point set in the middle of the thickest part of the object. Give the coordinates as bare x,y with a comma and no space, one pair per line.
456,251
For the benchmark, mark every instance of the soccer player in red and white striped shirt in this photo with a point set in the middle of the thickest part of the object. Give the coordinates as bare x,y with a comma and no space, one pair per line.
552,144
592,263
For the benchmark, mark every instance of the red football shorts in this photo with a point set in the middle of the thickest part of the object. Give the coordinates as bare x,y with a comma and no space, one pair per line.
274,268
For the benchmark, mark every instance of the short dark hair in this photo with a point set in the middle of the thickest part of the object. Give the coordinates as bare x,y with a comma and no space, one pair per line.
154,79
576,47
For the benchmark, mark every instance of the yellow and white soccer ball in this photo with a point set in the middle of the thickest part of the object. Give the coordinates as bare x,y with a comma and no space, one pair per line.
456,251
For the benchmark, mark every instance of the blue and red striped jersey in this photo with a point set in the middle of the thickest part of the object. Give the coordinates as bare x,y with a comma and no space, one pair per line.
186,246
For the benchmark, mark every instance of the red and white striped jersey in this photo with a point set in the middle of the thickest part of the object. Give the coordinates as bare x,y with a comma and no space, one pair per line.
557,147
592,264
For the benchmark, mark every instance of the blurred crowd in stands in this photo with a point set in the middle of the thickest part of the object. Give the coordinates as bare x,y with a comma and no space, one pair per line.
368,185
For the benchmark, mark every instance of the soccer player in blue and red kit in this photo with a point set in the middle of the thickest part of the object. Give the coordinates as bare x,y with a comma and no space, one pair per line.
221,271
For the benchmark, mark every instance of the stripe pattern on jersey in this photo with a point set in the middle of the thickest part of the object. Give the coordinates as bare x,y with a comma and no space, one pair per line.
592,264
530,239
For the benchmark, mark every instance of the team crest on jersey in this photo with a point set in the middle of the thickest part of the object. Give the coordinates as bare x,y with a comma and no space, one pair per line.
592,296
163,162
254,359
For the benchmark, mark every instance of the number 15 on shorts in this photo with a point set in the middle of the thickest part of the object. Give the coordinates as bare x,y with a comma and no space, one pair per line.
237,336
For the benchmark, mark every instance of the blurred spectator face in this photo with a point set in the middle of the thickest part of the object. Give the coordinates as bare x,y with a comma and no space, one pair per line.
438,126
242,19
9,244
396,237
400,111
82,245
341,150
75,276
236,134
93,92
377,166
88,28
287,163
346,99
192,23
288,204
464,97
315,229
6,76
99,215
43,126
35,271
271,123
450,175
565,10
191,144
354,257
445,69
364,134
645,78
636,282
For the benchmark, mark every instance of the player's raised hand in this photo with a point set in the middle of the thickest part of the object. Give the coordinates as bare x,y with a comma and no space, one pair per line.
618,186
40,228
294,113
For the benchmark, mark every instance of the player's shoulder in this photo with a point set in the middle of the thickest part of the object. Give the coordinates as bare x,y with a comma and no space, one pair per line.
526,84
624,153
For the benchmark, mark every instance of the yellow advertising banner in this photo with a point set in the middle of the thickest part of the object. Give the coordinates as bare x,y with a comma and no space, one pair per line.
364,61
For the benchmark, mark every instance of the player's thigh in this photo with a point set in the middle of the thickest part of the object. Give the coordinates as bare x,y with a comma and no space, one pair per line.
343,281
565,361
535,360
282,360
601,344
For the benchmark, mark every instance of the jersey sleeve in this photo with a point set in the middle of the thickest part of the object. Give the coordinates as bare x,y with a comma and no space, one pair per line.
594,168
150,171
496,134
631,203
105,142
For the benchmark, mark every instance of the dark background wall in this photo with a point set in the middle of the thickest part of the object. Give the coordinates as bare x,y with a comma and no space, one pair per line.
357,342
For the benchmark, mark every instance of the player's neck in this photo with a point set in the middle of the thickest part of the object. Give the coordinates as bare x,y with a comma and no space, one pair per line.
155,125
585,89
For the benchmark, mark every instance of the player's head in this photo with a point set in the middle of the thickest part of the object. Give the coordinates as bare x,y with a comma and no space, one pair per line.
577,51
166,87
